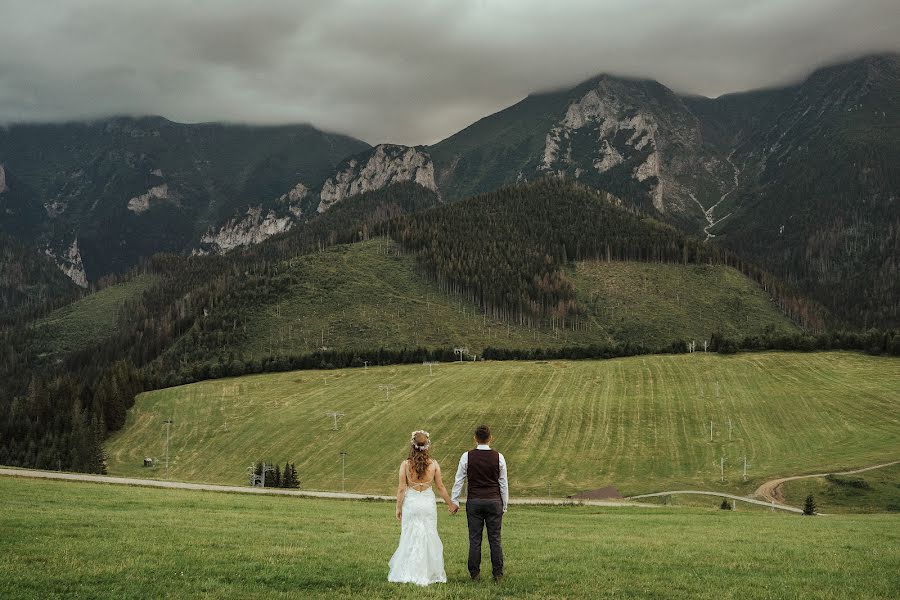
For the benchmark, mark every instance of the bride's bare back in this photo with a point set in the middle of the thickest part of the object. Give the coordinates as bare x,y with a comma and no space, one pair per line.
423,483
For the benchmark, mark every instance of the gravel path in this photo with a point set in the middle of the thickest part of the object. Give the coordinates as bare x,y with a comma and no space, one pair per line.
33,473
721,495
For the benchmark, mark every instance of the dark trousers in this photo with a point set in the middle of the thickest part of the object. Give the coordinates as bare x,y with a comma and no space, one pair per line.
481,514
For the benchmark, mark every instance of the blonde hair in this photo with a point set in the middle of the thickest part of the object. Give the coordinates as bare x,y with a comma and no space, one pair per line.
419,456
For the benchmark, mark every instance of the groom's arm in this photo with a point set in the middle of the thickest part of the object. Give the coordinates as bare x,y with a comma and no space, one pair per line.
504,484
461,471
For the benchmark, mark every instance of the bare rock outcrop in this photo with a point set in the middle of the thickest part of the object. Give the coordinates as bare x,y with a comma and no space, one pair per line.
386,164
139,204
252,228
70,263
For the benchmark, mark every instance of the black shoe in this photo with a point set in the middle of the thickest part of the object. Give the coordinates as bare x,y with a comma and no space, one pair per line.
498,579
476,577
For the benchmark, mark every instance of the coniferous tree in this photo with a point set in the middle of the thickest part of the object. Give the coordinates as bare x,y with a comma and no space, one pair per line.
809,507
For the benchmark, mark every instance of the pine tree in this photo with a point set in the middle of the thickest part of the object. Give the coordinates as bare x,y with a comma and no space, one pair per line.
809,508
725,505
276,479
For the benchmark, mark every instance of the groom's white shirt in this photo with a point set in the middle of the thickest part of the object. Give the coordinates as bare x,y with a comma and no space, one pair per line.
463,469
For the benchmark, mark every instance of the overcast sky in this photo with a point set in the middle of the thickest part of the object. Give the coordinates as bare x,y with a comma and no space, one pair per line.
405,72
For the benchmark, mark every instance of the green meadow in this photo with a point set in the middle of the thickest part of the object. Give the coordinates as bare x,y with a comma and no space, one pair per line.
871,491
641,424
65,539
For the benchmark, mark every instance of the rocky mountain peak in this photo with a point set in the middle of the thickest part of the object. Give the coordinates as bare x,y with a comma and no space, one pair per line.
378,168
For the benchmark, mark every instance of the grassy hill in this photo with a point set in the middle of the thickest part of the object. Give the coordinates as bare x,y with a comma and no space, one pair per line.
115,542
871,491
370,295
88,320
641,424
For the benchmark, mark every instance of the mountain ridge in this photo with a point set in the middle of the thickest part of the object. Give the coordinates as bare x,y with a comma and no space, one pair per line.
786,175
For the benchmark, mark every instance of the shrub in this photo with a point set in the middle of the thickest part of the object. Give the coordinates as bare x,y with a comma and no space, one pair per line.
854,482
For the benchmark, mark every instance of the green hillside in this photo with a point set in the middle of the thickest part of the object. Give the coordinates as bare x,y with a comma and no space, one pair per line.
177,543
641,424
370,295
88,320
656,303
871,491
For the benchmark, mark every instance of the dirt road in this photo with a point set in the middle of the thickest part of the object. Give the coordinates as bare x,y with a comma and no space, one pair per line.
771,490
33,473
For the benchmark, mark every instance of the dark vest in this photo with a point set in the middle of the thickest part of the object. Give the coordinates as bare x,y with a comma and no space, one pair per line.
483,473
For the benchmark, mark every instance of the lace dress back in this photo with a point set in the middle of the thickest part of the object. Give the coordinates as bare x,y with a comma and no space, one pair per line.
419,557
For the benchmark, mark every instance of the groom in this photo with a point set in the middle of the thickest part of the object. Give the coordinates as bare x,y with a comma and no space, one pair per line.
486,502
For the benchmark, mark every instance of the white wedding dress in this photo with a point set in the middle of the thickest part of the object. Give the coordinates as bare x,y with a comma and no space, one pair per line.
419,558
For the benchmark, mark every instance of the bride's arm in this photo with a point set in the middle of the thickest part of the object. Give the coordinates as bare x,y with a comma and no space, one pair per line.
401,490
440,485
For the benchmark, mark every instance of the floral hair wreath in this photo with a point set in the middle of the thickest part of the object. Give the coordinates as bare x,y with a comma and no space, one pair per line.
420,447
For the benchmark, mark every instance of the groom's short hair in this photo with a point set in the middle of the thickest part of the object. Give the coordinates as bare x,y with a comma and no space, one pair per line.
482,433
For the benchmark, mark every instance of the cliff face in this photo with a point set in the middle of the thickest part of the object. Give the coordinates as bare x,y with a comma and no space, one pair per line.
373,170
253,228
386,164
634,138
631,129
70,263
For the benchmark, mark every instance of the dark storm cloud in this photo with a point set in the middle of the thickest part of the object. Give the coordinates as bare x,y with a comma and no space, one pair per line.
409,72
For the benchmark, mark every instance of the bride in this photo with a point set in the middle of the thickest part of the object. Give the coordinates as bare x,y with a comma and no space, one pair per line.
419,558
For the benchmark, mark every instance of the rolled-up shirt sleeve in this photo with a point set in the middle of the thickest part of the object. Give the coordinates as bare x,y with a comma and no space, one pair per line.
504,483
461,471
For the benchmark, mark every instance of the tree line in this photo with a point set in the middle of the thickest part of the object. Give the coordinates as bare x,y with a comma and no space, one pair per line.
505,250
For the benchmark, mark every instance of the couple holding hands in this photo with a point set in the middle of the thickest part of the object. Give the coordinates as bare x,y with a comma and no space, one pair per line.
419,557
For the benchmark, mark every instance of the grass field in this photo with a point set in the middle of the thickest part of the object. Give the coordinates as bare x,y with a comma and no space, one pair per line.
62,539
654,304
871,491
641,423
88,320
360,296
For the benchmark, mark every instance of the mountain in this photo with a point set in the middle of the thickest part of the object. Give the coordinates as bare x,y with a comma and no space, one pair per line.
634,138
799,179
802,179
99,196
369,171
819,187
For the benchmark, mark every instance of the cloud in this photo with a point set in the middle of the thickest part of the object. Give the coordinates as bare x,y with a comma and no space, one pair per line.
407,72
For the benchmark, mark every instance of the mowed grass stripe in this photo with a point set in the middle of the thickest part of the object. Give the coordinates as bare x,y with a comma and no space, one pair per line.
641,424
